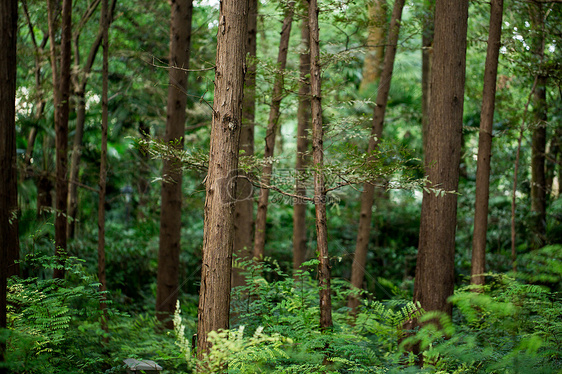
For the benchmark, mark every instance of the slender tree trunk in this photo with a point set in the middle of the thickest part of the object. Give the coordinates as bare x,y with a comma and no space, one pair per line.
515,175
434,281
61,84
367,196
244,209
302,159
9,240
104,24
218,242
170,214
538,174
81,82
372,66
318,160
272,124
427,57
485,145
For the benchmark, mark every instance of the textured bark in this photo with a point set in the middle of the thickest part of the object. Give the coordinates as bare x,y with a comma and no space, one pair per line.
218,241
538,173
104,25
9,242
318,160
81,77
272,123
372,65
244,209
61,90
302,159
170,213
485,145
367,196
434,281
427,56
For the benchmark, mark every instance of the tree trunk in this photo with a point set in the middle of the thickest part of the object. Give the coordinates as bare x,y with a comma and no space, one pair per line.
170,213
244,209
427,56
9,240
302,159
485,145
80,96
61,90
272,123
538,174
104,24
434,281
318,160
372,66
367,196
218,242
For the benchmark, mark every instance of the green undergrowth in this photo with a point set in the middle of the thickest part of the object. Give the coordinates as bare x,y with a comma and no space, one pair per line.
511,325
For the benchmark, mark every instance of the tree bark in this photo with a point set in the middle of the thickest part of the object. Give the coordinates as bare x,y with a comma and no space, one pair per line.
367,196
272,124
427,56
80,83
302,159
244,209
104,24
485,145
538,172
434,281
9,240
218,241
61,90
372,66
170,213
318,160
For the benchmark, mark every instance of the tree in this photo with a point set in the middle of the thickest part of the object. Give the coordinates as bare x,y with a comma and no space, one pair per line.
374,57
434,280
302,159
104,26
61,91
170,213
485,145
538,142
244,209
272,124
218,241
80,80
368,193
427,55
9,242
318,163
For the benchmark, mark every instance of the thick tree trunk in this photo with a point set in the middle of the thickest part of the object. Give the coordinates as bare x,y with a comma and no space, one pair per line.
485,145
9,240
61,90
170,213
80,97
372,65
367,196
218,242
318,160
302,159
434,281
104,24
427,57
244,209
272,123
